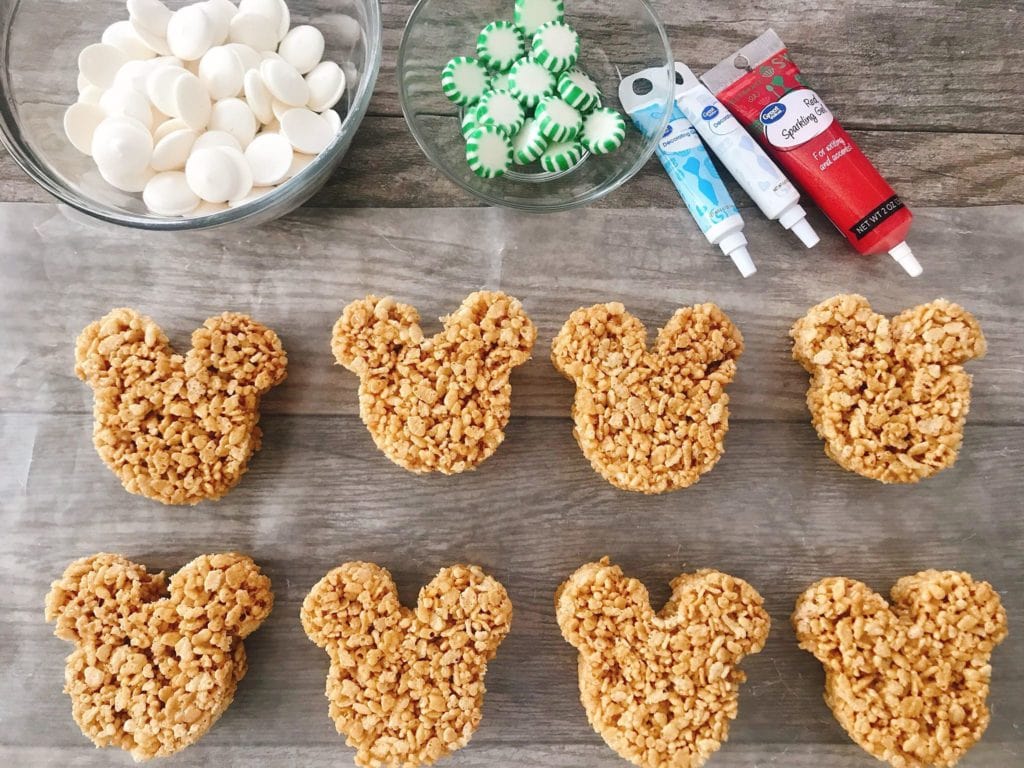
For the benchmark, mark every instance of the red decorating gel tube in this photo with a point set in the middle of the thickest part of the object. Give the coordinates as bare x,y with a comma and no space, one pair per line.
764,89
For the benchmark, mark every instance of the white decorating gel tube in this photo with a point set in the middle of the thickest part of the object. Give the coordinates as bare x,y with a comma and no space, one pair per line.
759,176
688,165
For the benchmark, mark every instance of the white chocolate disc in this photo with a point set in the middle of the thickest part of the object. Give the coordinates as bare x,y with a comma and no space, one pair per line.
122,35
254,30
151,15
234,116
284,82
222,72
258,97
270,158
213,174
216,139
80,123
192,101
307,131
190,33
125,102
168,194
303,48
100,62
172,151
326,86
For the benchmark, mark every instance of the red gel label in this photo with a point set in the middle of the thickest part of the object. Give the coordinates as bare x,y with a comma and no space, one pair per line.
804,138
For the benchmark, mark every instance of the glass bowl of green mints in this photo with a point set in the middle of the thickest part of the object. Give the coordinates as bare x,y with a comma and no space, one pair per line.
517,100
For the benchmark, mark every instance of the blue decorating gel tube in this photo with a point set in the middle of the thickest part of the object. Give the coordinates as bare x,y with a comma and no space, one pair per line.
688,165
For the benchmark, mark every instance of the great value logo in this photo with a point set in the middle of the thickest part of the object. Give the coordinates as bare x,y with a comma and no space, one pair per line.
773,112
710,113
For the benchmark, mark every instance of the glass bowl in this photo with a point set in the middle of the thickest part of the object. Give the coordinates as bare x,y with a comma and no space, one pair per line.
617,38
39,45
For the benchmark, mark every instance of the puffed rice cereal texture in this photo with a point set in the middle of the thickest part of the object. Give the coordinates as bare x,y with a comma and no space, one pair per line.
888,397
406,686
439,404
176,429
908,681
155,664
661,689
649,420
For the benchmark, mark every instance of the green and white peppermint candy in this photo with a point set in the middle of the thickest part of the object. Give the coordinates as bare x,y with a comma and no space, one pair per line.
578,90
556,46
500,82
561,156
528,145
530,82
464,80
531,15
557,120
604,130
500,43
488,152
469,123
502,110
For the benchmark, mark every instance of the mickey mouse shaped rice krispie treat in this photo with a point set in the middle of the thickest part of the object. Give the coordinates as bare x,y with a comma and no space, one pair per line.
439,404
888,397
649,420
908,681
155,664
406,687
178,429
661,689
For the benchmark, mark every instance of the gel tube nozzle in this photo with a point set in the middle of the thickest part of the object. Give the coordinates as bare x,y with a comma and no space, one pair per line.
753,170
687,162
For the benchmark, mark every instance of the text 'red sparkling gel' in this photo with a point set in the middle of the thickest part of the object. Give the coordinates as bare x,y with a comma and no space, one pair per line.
763,88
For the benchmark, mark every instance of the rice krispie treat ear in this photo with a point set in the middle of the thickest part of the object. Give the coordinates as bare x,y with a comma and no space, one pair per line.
438,404
405,686
908,682
154,664
178,429
889,398
649,420
660,688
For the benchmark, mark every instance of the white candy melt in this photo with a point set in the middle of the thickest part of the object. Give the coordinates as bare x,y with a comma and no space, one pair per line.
333,119
80,123
151,15
167,127
125,102
221,12
270,158
222,72
284,82
122,35
216,139
99,63
172,151
168,194
303,48
326,85
160,87
192,101
254,30
213,174
233,116
190,33
258,97
250,56
275,10
307,131
122,149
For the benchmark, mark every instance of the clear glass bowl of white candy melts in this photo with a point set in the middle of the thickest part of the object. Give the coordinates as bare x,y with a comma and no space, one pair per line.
45,45
617,38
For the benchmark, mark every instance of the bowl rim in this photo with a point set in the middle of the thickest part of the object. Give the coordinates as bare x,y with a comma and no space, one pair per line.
287,193
495,200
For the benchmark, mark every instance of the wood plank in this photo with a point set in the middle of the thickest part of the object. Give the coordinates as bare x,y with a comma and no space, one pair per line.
386,169
297,274
319,494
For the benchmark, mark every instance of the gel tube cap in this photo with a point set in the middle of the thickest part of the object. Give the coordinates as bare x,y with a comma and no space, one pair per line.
906,259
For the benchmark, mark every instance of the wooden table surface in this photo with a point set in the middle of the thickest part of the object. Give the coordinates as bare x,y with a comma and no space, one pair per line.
932,89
